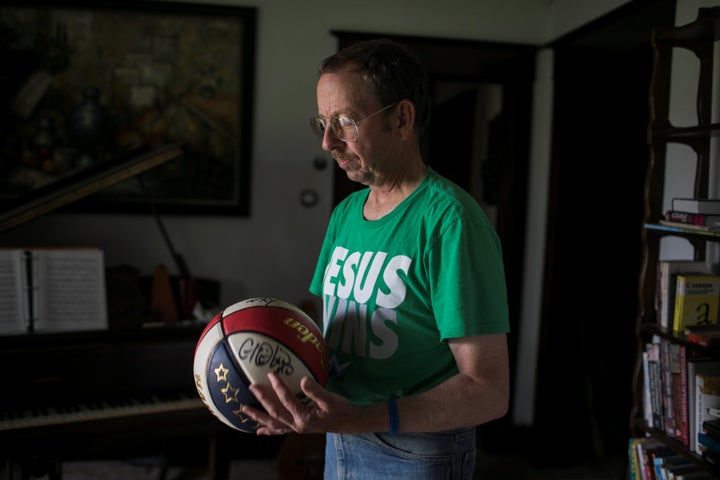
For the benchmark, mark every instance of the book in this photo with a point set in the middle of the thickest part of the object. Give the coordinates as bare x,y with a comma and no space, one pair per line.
697,219
667,272
639,446
633,462
637,458
690,226
655,380
652,452
662,464
52,289
696,301
647,450
667,389
705,335
647,393
710,447
705,206
683,426
707,395
696,365
676,228
712,426
708,443
676,390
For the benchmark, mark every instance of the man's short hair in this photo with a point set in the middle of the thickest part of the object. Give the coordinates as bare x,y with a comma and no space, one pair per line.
392,71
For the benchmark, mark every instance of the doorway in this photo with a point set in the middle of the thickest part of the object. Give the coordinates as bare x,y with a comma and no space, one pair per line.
599,157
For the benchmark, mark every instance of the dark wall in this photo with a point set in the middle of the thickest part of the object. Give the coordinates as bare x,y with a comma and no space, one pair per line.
602,77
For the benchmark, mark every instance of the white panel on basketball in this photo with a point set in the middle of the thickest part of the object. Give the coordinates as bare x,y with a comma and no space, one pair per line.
259,354
254,302
207,344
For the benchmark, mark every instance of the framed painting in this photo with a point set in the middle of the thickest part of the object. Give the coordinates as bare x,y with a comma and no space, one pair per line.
84,84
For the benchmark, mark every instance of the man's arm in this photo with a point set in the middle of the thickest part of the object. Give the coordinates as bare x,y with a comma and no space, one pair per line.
479,393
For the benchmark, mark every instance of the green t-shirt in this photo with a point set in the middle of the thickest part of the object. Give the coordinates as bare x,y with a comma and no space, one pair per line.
395,289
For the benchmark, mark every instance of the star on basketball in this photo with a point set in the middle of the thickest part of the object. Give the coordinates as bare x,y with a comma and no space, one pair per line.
231,394
221,373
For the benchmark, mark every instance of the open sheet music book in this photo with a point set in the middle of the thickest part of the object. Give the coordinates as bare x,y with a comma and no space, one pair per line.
52,289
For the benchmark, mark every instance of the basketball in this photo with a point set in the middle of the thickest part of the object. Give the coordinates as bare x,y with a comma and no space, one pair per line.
245,342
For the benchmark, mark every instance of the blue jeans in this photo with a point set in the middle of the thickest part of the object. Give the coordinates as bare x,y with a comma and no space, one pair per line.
419,456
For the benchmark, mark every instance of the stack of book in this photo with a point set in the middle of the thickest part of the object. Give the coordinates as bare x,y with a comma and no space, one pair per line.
681,388
694,214
651,460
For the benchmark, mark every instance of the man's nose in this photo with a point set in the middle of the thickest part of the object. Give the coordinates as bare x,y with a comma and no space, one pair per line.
330,139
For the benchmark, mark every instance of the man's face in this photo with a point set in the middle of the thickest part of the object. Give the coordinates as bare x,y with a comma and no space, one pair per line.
344,93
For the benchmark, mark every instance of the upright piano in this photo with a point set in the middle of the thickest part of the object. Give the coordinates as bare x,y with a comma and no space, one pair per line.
112,394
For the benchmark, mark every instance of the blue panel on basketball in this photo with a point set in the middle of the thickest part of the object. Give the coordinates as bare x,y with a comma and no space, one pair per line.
228,389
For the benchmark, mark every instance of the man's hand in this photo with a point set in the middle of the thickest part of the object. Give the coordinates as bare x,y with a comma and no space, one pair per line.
285,413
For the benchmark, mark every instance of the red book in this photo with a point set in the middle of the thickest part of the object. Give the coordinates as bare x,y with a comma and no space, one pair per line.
706,335
683,429
699,219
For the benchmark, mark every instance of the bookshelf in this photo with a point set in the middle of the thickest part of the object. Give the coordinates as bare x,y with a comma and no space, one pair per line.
699,37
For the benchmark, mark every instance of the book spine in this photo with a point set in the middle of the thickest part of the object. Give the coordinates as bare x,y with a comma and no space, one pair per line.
632,460
647,391
655,385
684,426
667,389
692,218
698,411
691,403
676,390
697,338
667,293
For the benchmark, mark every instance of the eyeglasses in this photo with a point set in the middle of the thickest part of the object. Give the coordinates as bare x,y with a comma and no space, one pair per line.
344,128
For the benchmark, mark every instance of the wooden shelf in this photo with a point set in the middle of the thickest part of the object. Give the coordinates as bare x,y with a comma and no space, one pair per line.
680,134
699,37
705,29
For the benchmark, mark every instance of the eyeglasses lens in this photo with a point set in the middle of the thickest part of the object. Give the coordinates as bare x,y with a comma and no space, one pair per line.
318,126
343,128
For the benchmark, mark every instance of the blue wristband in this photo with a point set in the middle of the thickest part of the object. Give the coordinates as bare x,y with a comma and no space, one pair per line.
394,421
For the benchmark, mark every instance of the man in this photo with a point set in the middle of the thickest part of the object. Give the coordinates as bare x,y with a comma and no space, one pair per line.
413,288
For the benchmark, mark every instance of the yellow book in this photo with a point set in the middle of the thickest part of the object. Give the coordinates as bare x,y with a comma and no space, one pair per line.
696,301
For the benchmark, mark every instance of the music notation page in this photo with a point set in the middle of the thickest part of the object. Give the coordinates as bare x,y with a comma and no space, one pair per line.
52,289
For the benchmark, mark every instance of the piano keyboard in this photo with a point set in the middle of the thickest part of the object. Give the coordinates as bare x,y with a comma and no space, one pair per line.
101,410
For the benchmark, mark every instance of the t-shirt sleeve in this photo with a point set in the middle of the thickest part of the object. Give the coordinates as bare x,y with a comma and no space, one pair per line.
468,291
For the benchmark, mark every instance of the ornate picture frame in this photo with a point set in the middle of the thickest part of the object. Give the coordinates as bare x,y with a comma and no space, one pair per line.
85,83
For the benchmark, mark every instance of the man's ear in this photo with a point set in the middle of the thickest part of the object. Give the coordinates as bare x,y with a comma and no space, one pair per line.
405,118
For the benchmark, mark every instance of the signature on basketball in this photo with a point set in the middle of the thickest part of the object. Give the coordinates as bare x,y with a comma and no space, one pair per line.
266,354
